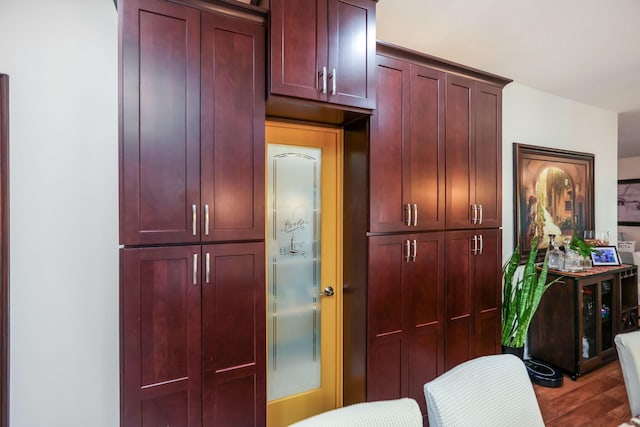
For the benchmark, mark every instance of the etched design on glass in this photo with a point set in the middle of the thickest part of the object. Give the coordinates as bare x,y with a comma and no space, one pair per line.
293,236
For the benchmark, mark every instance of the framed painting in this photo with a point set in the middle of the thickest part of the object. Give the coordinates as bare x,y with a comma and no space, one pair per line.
553,195
629,202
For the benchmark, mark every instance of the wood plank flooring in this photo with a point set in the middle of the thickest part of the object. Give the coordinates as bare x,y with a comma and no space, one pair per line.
596,399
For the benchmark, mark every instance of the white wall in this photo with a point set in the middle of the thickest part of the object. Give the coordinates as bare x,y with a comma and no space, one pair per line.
538,118
629,168
64,359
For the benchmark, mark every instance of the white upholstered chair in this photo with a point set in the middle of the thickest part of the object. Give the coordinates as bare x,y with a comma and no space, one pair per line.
487,391
628,345
383,413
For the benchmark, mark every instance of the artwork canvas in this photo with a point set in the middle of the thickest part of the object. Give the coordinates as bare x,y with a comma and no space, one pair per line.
629,202
553,195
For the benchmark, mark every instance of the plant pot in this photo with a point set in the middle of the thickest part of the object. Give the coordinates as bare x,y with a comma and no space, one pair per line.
516,351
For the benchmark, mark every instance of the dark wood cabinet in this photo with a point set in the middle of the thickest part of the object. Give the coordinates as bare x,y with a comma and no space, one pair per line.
406,320
474,153
579,316
473,297
191,175
193,322
324,50
407,153
192,125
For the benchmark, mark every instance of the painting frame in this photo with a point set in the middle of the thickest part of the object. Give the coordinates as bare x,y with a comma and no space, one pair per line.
628,217
563,182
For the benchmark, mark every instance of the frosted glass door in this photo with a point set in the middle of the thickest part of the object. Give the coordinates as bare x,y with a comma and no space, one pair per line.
293,261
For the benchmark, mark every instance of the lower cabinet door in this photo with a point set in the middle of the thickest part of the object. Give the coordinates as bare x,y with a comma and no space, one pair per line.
160,330
233,335
405,315
193,336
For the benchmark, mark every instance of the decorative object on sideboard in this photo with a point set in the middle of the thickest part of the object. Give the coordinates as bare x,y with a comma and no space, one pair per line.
553,194
629,202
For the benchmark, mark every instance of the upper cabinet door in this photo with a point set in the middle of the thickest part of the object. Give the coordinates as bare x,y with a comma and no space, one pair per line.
488,155
324,50
232,129
427,148
460,163
352,53
389,166
298,48
160,132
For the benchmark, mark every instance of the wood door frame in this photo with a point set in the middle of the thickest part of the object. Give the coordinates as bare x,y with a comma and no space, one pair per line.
4,250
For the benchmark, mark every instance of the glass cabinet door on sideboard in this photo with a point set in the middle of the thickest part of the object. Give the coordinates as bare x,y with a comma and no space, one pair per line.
580,315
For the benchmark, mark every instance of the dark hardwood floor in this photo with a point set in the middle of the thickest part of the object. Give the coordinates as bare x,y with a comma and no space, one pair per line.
597,399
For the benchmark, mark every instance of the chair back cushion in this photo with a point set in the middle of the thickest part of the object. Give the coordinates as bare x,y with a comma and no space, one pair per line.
486,391
383,413
628,346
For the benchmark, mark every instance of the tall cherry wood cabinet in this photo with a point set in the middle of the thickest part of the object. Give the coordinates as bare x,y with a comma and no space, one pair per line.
423,250
192,84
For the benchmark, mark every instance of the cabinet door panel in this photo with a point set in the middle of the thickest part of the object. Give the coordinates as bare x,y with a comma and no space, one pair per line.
389,173
425,303
231,399
488,101
460,266
488,293
350,55
460,125
385,368
233,327
427,149
232,129
298,47
161,347
160,142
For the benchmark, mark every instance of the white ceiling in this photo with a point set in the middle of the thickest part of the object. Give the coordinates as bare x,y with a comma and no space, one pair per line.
585,50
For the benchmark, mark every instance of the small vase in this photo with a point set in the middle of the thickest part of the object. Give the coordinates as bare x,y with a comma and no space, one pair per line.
516,351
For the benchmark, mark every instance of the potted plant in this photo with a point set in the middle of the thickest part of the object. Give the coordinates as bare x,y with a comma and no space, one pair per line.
521,295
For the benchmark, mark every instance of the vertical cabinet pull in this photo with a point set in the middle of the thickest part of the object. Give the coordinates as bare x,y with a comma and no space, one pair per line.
407,209
195,269
324,80
475,245
480,250
407,250
194,218
415,250
474,219
333,81
206,220
480,219
207,267
415,215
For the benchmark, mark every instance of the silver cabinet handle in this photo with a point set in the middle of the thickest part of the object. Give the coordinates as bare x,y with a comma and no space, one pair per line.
207,267
333,81
415,250
407,249
324,80
407,209
206,220
415,215
474,220
195,269
480,251
475,245
194,218
480,220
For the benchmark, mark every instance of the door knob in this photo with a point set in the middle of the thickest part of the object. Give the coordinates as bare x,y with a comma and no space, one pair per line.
328,291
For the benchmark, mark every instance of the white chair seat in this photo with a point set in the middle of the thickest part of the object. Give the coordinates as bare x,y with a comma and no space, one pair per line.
490,391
